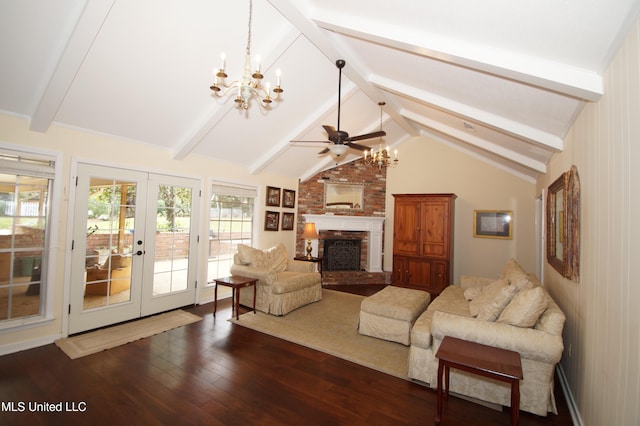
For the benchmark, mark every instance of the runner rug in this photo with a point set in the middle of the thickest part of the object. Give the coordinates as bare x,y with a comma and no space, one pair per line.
111,337
331,326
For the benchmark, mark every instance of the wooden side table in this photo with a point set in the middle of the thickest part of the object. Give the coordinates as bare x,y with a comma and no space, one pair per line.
487,361
236,282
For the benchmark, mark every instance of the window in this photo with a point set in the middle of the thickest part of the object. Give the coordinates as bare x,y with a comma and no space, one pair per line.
230,224
26,182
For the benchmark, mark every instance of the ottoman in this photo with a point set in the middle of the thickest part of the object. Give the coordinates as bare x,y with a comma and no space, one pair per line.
390,313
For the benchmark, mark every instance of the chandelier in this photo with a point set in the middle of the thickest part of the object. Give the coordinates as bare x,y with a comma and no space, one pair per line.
381,157
250,84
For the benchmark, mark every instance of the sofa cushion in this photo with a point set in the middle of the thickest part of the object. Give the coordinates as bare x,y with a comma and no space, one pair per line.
525,308
451,300
471,281
488,294
492,310
552,320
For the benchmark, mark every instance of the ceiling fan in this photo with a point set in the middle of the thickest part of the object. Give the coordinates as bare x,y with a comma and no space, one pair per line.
341,139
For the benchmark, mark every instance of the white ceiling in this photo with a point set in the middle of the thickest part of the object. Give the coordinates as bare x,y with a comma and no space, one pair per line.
500,79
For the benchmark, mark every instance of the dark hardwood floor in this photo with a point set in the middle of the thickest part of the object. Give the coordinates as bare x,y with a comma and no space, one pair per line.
216,373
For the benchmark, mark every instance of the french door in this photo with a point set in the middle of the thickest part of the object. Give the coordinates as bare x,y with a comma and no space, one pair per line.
134,245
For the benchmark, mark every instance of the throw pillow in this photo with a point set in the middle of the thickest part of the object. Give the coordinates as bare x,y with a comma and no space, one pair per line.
488,294
512,271
472,293
523,282
277,258
247,254
492,310
525,308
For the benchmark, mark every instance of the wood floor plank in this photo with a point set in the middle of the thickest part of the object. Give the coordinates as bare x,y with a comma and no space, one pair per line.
217,373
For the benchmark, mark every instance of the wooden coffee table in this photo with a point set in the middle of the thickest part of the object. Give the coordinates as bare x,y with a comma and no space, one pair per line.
487,361
236,282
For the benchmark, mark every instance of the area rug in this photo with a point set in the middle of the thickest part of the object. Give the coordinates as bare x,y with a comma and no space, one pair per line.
331,326
111,337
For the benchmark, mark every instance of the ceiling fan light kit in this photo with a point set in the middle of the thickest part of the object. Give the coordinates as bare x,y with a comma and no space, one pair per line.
250,84
338,150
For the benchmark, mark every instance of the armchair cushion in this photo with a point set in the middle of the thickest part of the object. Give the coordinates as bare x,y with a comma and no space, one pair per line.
273,259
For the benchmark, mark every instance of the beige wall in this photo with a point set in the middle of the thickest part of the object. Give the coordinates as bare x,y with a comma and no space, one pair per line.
429,166
99,149
601,361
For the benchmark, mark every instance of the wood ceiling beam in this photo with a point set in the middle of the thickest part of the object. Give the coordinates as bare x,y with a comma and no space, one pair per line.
553,76
518,130
85,32
333,50
478,142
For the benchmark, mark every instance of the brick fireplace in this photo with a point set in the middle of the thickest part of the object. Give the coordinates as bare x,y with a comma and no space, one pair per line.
311,202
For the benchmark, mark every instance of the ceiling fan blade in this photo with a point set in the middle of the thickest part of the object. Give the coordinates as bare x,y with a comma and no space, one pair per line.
331,131
358,147
305,142
324,151
379,133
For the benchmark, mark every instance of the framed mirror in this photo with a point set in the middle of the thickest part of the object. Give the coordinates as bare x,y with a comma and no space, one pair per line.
343,196
563,218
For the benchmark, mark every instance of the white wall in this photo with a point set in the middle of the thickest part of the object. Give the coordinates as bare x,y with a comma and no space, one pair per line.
429,166
78,146
601,361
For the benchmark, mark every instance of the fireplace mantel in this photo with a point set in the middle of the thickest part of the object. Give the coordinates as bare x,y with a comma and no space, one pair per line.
370,224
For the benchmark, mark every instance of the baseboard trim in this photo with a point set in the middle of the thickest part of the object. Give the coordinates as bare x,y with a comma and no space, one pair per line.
28,344
568,396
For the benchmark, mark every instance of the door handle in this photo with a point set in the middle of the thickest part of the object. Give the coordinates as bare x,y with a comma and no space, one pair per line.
140,252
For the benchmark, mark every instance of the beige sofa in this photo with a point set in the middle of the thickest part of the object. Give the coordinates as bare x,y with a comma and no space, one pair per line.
514,313
283,284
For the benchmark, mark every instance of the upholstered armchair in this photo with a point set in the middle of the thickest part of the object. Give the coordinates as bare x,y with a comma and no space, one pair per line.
283,284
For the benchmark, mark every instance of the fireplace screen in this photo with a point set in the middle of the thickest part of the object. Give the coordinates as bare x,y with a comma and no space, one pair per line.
341,255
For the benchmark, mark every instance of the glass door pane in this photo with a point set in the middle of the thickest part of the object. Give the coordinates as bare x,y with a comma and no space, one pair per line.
109,242
173,240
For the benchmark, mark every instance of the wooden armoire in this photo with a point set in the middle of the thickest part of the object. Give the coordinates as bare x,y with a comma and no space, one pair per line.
423,241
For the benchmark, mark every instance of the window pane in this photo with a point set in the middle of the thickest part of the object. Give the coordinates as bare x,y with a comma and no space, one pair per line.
24,206
231,223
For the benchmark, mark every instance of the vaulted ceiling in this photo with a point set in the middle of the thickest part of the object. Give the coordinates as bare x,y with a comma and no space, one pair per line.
500,79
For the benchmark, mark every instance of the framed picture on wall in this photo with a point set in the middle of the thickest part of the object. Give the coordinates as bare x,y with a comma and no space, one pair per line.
493,224
287,221
273,196
271,221
288,198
